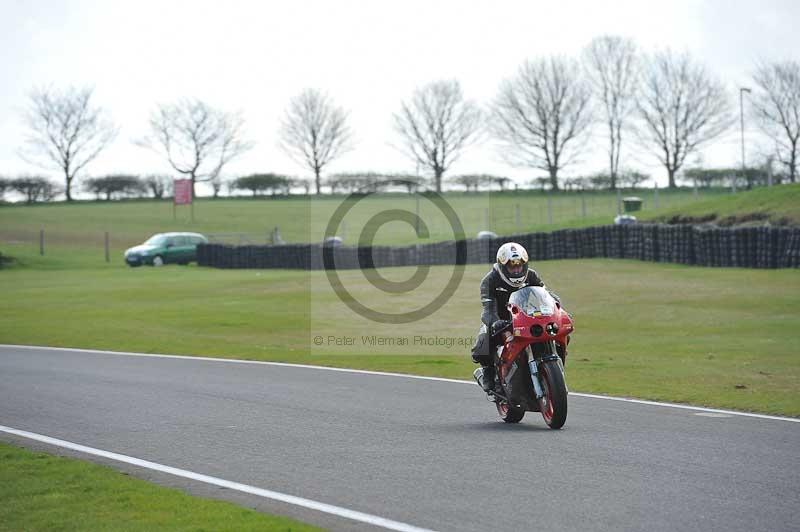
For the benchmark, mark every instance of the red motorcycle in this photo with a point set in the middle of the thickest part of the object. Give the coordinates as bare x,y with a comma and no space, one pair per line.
530,358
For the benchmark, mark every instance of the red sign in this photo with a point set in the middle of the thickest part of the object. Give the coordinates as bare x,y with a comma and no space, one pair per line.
183,191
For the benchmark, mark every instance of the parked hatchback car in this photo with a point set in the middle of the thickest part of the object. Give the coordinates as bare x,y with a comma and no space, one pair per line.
166,248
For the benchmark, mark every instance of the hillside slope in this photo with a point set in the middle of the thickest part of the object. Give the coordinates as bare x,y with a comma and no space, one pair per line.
778,205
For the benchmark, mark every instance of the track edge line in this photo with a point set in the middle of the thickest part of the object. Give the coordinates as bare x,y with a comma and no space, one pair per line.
331,509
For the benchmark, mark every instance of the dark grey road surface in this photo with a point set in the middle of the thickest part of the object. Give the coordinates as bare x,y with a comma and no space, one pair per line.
431,454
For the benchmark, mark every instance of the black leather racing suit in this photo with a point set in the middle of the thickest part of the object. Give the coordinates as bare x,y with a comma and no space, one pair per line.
495,293
494,299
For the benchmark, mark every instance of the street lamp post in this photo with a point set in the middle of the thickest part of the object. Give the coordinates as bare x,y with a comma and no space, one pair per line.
742,90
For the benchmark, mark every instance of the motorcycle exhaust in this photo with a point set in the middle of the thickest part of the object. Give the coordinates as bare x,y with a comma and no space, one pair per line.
492,396
478,374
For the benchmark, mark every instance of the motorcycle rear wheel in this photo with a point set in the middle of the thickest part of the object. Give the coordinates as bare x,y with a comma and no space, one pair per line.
554,403
508,413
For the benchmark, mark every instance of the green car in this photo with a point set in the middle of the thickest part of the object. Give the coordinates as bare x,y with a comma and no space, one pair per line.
166,248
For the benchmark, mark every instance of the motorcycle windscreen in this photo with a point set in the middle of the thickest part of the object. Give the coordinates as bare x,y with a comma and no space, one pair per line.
533,300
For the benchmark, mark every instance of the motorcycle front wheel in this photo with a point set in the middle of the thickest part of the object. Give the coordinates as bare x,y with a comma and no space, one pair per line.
508,413
554,402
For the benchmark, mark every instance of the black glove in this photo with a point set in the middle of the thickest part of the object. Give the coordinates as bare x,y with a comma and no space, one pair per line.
500,326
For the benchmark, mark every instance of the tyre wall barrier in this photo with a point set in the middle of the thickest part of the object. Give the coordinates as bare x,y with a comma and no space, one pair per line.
744,247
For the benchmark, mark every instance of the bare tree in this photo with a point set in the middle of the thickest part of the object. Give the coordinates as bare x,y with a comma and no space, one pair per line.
682,106
197,139
599,181
314,131
66,131
436,125
216,183
469,182
632,178
305,184
776,105
35,188
612,69
158,184
541,113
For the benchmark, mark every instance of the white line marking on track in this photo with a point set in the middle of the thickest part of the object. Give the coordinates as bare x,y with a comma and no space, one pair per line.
403,375
252,490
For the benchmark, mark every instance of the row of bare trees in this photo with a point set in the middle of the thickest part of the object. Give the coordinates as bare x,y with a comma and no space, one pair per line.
668,103
127,185
32,188
541,118
36,188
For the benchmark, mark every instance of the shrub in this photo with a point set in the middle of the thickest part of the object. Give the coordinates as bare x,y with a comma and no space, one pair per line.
115,185
35,188
5,260
260,183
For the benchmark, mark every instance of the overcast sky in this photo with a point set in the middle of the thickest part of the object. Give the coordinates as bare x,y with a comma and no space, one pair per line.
368,55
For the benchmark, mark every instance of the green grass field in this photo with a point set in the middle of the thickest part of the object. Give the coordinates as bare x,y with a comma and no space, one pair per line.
82,226
719,337
44,492
75,233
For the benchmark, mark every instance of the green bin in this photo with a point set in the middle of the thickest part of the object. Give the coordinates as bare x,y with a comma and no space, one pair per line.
632,203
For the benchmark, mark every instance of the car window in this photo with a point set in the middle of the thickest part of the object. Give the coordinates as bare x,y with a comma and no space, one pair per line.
180,240
196,240
156,240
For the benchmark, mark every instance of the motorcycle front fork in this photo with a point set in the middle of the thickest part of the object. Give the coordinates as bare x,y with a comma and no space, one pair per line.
534,367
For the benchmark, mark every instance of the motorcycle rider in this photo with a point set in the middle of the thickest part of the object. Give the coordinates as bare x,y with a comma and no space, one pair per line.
510,273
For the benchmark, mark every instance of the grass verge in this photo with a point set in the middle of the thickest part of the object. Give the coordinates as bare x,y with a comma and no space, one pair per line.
44,492
779,205
302,219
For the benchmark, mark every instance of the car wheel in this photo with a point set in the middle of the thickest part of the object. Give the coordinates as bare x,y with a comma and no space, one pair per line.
158,261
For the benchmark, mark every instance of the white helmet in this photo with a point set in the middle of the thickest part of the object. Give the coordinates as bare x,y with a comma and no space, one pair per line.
512,264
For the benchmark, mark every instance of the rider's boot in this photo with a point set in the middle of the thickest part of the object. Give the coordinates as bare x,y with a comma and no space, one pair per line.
487,382
485,375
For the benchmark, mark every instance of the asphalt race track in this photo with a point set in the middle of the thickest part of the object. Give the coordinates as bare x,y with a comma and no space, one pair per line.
426,453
